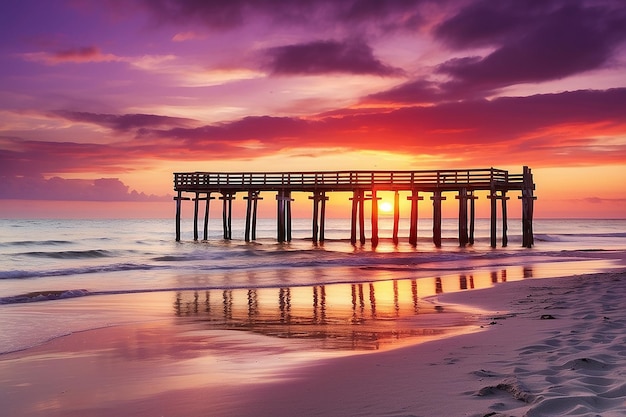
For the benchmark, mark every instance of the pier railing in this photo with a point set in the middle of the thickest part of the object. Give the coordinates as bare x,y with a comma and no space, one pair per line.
348,180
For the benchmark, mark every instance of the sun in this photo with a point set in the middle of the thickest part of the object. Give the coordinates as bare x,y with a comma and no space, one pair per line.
385,207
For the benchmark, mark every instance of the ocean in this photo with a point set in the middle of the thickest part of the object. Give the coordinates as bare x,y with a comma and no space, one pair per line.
59,277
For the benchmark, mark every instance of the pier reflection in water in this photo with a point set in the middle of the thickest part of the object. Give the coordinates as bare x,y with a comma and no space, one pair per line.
360,316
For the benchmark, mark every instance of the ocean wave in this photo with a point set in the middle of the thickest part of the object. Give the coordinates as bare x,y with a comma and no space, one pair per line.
36,243
37,296
561,237
70,254
547,238
19,274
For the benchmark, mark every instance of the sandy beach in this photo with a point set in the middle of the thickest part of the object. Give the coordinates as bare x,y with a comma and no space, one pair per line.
544,347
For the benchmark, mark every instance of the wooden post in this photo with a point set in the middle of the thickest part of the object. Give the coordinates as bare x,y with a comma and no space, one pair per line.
323,216
284,200
505,239
178,216
280,217
227,214
195,216
206,216
396,216
437,198
179,197
463,235
415,197
358,199
315,226
527,208
492,196
224,218
251,209
362,217
319,207
355,205
288,214
374,217
197,200
248,215
230,218
472,198
255,204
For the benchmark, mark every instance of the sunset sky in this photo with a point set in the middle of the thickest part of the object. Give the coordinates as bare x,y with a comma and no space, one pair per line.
104,100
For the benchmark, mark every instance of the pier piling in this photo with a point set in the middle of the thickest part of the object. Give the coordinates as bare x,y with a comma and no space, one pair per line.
437,198
374,213
414,198
396,216
284,200
319,215
227,214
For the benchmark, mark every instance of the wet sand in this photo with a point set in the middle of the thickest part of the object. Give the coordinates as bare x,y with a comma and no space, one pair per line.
546,347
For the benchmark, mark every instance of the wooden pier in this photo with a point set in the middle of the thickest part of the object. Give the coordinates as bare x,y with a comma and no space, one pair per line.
363,186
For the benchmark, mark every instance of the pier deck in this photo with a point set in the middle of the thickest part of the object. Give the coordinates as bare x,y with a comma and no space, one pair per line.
464,182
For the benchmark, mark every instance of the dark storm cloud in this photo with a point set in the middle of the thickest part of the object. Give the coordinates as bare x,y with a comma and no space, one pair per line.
321,57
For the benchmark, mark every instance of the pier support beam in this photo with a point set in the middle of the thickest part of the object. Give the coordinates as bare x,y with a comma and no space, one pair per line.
505,226
528,199
464,236
494,208
472,220
227,214
437,199
284,200
493,217
374,216
396,216
251,209
206,216
358,198
414,198
196,201
319,215
179,197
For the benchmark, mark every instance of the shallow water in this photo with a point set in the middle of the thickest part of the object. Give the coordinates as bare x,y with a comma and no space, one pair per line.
62,276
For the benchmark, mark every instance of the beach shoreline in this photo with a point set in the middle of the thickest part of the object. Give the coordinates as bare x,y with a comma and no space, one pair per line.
548,346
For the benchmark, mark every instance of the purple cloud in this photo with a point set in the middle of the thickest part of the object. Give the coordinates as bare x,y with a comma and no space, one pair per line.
321,57
411,92
56,188
124,122
485,22
225,15
532,46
